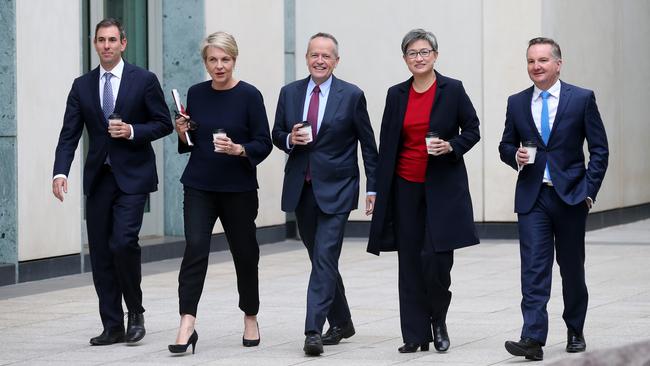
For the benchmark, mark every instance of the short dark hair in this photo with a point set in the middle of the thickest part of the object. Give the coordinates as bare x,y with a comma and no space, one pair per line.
555,48
110,22
328,36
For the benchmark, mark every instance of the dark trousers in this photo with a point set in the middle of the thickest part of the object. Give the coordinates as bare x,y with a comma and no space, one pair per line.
322,235
552,225
113,219
237,211
424,274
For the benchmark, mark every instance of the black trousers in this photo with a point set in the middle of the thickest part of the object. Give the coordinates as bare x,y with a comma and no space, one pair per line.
113,219
237,211
424,274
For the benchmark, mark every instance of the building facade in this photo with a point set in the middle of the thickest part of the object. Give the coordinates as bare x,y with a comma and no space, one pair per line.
48,43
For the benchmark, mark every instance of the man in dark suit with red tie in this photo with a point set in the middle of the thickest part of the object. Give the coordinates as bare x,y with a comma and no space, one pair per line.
321,181
554,192
119,173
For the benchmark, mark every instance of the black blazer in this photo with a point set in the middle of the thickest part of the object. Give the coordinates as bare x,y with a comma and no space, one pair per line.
450,220
141,103
333,156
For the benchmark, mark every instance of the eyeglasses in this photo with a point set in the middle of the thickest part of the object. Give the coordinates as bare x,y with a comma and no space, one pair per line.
425,52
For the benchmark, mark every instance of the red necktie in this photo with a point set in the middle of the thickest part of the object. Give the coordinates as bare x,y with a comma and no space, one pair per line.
312,118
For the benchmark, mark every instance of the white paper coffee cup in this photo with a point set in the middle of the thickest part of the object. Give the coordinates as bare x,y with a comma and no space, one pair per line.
114,119
430,137
306,129
531,148
218,134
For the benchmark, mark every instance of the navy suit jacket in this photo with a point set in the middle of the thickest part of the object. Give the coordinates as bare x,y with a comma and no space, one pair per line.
450,218
141,103
577,119
332,156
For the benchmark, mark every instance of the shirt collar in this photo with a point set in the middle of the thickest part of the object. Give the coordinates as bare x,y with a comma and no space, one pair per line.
553,90
117,70
324,87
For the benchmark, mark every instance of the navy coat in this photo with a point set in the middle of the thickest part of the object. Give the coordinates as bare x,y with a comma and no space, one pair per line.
450,219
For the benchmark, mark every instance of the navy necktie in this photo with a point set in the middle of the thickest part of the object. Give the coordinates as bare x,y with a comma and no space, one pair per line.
108,104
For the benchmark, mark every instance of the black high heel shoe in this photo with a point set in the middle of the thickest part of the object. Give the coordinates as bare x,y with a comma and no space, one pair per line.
182,348
252,342
413,347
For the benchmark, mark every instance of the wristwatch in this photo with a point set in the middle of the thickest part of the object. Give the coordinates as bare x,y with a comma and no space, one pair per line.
243,151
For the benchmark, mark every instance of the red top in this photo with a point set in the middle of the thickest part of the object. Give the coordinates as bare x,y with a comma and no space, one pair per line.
413,157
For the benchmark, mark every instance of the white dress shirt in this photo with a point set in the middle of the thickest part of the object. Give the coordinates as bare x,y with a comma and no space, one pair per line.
536,110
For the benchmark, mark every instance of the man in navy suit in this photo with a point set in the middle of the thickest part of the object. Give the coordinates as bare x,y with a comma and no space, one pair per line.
119,173
554,192
321,181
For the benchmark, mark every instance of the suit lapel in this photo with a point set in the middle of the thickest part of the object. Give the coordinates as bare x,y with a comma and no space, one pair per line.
528,113
402,102
94,92
441,82
125,86
333,101
299,100
565,96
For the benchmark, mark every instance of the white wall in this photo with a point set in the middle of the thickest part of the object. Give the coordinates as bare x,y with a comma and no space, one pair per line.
258,28
605,48
48,58
508,25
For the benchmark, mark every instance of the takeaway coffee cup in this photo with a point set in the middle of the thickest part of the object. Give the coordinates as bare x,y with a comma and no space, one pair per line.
219,133
306,129
531,148
429,137
114,119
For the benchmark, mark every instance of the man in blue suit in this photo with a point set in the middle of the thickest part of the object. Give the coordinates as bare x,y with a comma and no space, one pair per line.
554,192
321,181
119,173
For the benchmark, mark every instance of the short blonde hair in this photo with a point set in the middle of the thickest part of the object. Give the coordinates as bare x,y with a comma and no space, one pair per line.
222,40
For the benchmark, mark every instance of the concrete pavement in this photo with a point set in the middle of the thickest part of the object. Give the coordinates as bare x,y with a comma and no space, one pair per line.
49,322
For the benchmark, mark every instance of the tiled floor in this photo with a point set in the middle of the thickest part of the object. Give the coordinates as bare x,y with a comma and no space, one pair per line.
49,322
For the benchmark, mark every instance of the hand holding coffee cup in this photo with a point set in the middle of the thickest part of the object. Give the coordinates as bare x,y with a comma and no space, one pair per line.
220,140
307,131
301,134
531,149
117,128
430,139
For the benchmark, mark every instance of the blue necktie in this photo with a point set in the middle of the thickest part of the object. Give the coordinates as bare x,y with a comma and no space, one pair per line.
545,125
108,105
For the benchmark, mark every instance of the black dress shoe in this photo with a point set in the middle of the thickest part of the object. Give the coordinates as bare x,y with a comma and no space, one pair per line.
108,337
575,342
527,347
313,344
440,337
413,347
336,333
135,328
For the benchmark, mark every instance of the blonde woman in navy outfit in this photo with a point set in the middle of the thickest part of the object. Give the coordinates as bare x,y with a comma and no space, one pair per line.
220,183
423,207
